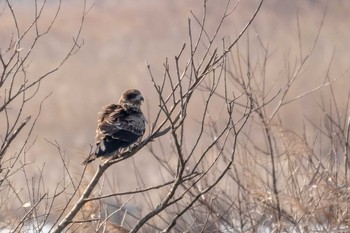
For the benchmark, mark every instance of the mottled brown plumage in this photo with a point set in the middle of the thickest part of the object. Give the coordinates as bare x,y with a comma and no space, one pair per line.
119,126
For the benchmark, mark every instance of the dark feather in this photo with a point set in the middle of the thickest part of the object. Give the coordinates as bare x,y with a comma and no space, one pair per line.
119,125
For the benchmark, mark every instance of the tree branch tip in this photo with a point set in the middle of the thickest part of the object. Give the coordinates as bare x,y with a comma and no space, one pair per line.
27,119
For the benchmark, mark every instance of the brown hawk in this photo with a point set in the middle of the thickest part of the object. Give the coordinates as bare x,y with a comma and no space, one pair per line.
119,125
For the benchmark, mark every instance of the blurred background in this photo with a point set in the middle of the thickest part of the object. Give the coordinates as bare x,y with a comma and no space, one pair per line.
121,36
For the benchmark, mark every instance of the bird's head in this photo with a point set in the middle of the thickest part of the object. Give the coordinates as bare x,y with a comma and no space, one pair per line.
131,97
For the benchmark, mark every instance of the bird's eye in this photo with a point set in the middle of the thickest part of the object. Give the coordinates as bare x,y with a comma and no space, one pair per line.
131,96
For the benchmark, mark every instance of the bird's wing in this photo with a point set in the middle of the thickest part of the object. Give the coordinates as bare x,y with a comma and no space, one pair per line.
107,111
120,124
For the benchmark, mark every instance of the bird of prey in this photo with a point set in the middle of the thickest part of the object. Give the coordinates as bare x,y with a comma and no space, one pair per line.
119,126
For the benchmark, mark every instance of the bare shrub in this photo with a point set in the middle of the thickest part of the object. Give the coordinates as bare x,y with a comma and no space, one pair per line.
228,164
18,87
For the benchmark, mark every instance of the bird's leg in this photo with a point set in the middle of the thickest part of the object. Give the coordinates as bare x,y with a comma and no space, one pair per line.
129,148
121,151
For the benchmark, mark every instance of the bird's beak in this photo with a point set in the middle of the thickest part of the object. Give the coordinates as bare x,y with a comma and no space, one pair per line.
141,98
